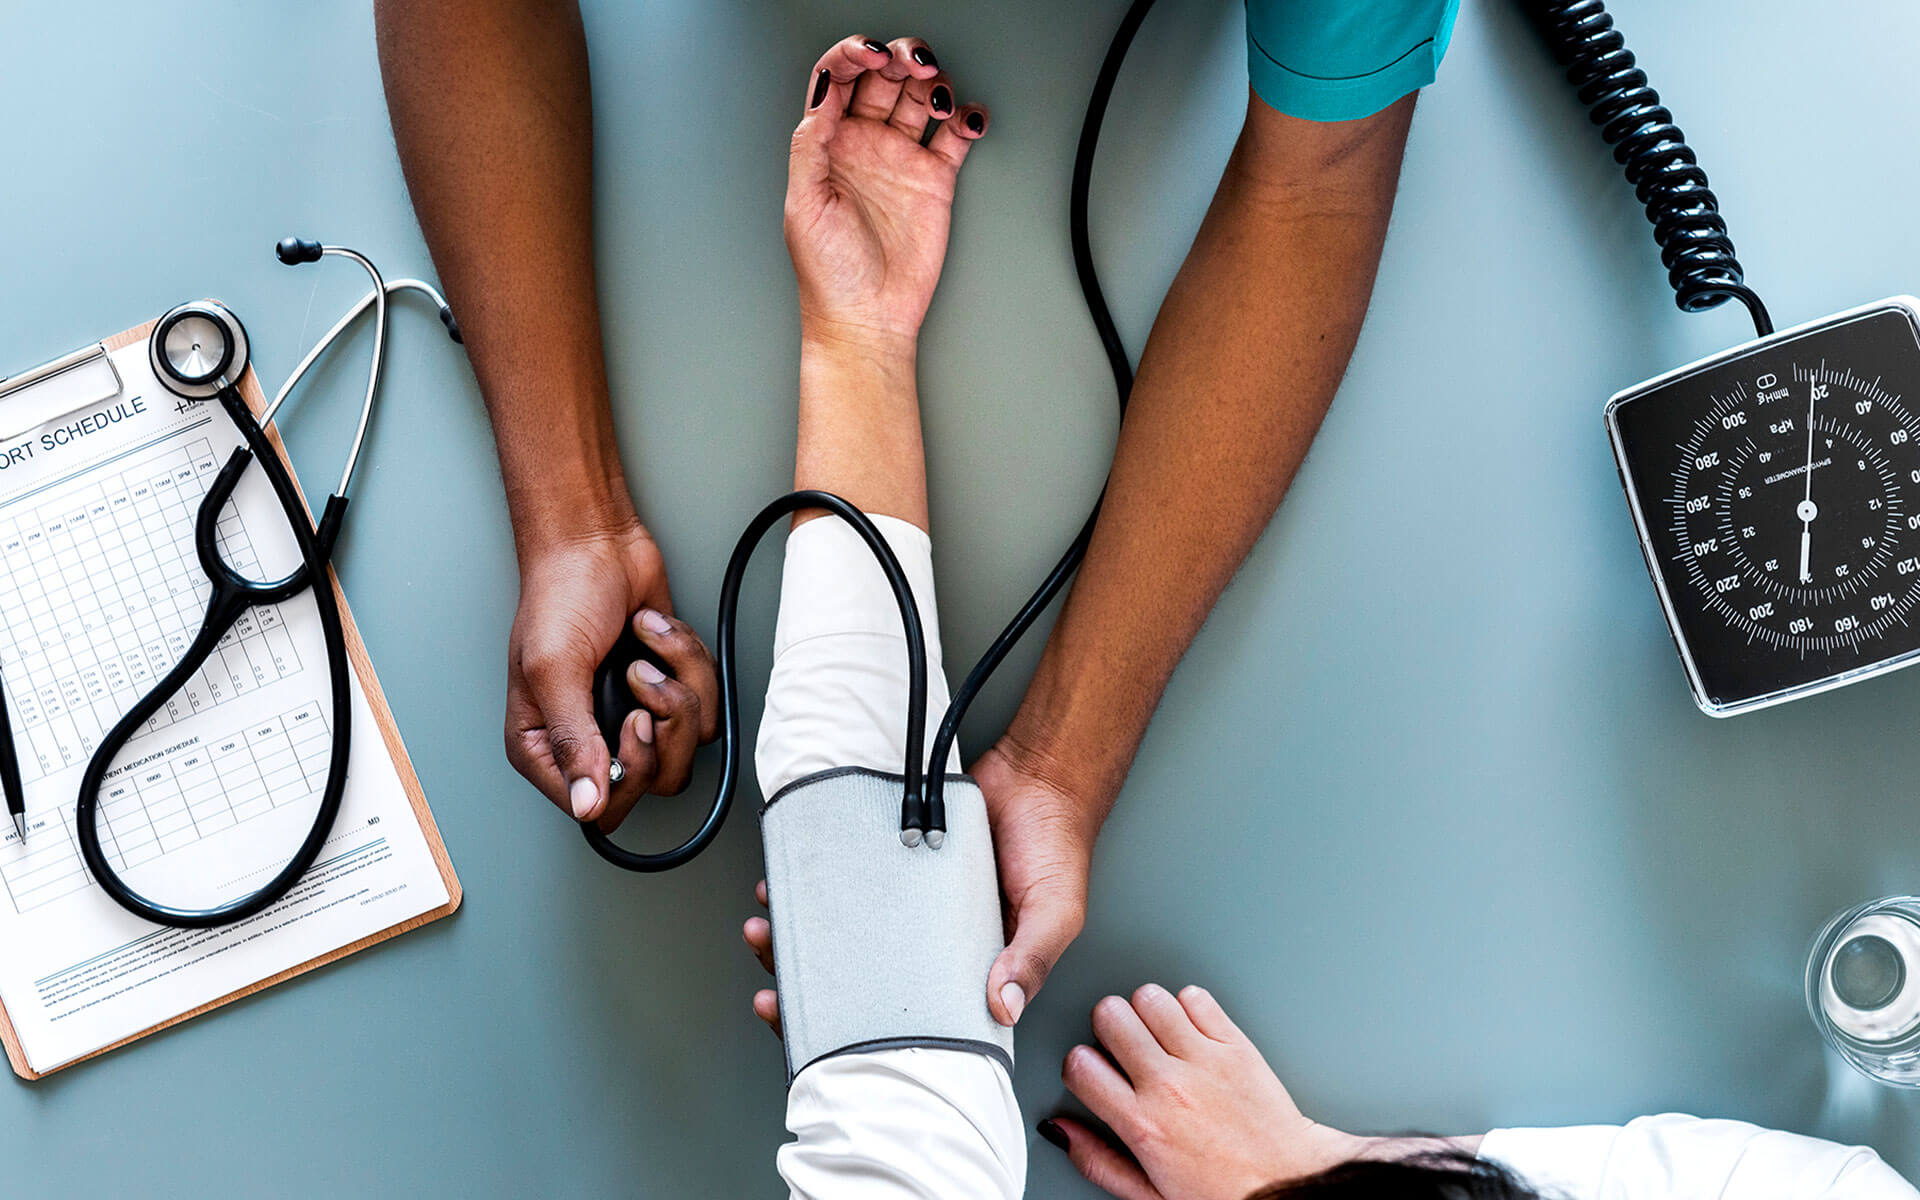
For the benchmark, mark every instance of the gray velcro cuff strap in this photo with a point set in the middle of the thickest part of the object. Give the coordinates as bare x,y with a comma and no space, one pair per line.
876,945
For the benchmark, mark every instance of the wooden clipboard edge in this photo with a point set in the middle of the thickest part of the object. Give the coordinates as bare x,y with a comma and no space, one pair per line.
396,749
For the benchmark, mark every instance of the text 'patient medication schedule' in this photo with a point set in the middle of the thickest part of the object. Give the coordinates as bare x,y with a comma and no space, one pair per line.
100,595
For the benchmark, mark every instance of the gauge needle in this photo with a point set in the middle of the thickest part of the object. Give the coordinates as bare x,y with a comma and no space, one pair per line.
1806,511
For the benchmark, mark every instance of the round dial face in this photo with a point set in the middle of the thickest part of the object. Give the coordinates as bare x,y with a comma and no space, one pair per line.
1777,493
1794,497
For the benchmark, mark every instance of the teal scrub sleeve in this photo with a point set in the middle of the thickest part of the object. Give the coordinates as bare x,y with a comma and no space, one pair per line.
1340,60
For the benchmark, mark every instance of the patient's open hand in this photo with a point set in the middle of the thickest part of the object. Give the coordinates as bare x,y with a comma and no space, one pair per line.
1203,1115
868,204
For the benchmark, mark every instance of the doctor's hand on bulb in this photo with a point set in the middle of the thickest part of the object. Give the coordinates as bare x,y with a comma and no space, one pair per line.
493,117
576,594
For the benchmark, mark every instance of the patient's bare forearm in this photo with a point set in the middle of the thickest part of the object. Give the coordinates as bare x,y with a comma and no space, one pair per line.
1243,361
493,117
859,431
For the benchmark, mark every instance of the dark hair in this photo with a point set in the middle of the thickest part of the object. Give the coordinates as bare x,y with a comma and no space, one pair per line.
1440,1175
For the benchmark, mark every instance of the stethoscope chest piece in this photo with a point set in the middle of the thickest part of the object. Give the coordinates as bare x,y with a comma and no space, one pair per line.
197,348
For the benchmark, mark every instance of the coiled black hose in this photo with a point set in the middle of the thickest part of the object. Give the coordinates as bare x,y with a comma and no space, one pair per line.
1667,177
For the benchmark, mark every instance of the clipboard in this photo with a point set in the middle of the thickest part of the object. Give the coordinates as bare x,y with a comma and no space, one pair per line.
87,376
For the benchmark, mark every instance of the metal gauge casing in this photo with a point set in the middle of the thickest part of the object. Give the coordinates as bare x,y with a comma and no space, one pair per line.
1776,491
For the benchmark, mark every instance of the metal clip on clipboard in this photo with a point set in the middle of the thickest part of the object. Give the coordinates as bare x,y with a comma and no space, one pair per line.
73,381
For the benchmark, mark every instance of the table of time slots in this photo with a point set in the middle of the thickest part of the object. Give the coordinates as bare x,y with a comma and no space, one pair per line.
102,593
176,801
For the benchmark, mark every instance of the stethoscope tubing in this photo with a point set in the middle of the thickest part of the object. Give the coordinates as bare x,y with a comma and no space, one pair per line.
393,287
232,595
912,815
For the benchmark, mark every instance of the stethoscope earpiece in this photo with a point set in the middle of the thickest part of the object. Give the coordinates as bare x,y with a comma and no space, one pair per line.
293,251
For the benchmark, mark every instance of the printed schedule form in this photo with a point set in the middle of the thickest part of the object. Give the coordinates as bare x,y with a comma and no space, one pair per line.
101,592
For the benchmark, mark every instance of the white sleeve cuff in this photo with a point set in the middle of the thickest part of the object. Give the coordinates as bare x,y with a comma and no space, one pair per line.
904,1125
837,695
832,585
1677,1155
1570,1162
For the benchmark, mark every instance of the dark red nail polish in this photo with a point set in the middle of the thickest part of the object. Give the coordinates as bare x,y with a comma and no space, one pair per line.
877,47
1051,1131
925,57
976,122
942,100
820,88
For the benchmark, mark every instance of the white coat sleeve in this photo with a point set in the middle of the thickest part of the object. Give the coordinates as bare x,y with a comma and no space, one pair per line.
1682,1156
892,1124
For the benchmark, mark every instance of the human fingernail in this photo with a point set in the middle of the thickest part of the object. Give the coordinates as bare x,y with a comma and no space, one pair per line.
1050,1130
656,622
643,727
976,122
877,47
942,100
1014,998
584,795
648,671
820,87
925,57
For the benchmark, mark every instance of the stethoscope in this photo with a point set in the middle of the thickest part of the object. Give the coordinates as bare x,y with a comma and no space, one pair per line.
199,351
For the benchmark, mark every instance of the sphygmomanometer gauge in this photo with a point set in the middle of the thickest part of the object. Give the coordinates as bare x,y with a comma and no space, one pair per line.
1776,489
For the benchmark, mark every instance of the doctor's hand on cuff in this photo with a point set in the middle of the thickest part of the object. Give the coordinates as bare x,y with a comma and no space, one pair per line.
1043,839
1044,850
576,595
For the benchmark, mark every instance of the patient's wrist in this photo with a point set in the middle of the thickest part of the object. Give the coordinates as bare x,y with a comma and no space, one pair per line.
826,342
875,371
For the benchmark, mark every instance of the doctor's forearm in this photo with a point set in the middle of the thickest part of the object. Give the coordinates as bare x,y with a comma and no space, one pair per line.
493,117
1243,360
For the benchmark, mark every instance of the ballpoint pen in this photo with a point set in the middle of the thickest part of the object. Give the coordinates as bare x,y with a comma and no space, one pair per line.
10,772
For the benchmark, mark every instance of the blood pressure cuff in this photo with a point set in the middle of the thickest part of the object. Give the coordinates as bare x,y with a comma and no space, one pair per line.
878,946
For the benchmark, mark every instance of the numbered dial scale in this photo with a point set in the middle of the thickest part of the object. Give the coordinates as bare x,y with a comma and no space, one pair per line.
1776,488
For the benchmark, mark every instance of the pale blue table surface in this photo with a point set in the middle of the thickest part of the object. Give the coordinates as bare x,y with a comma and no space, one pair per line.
1427,806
